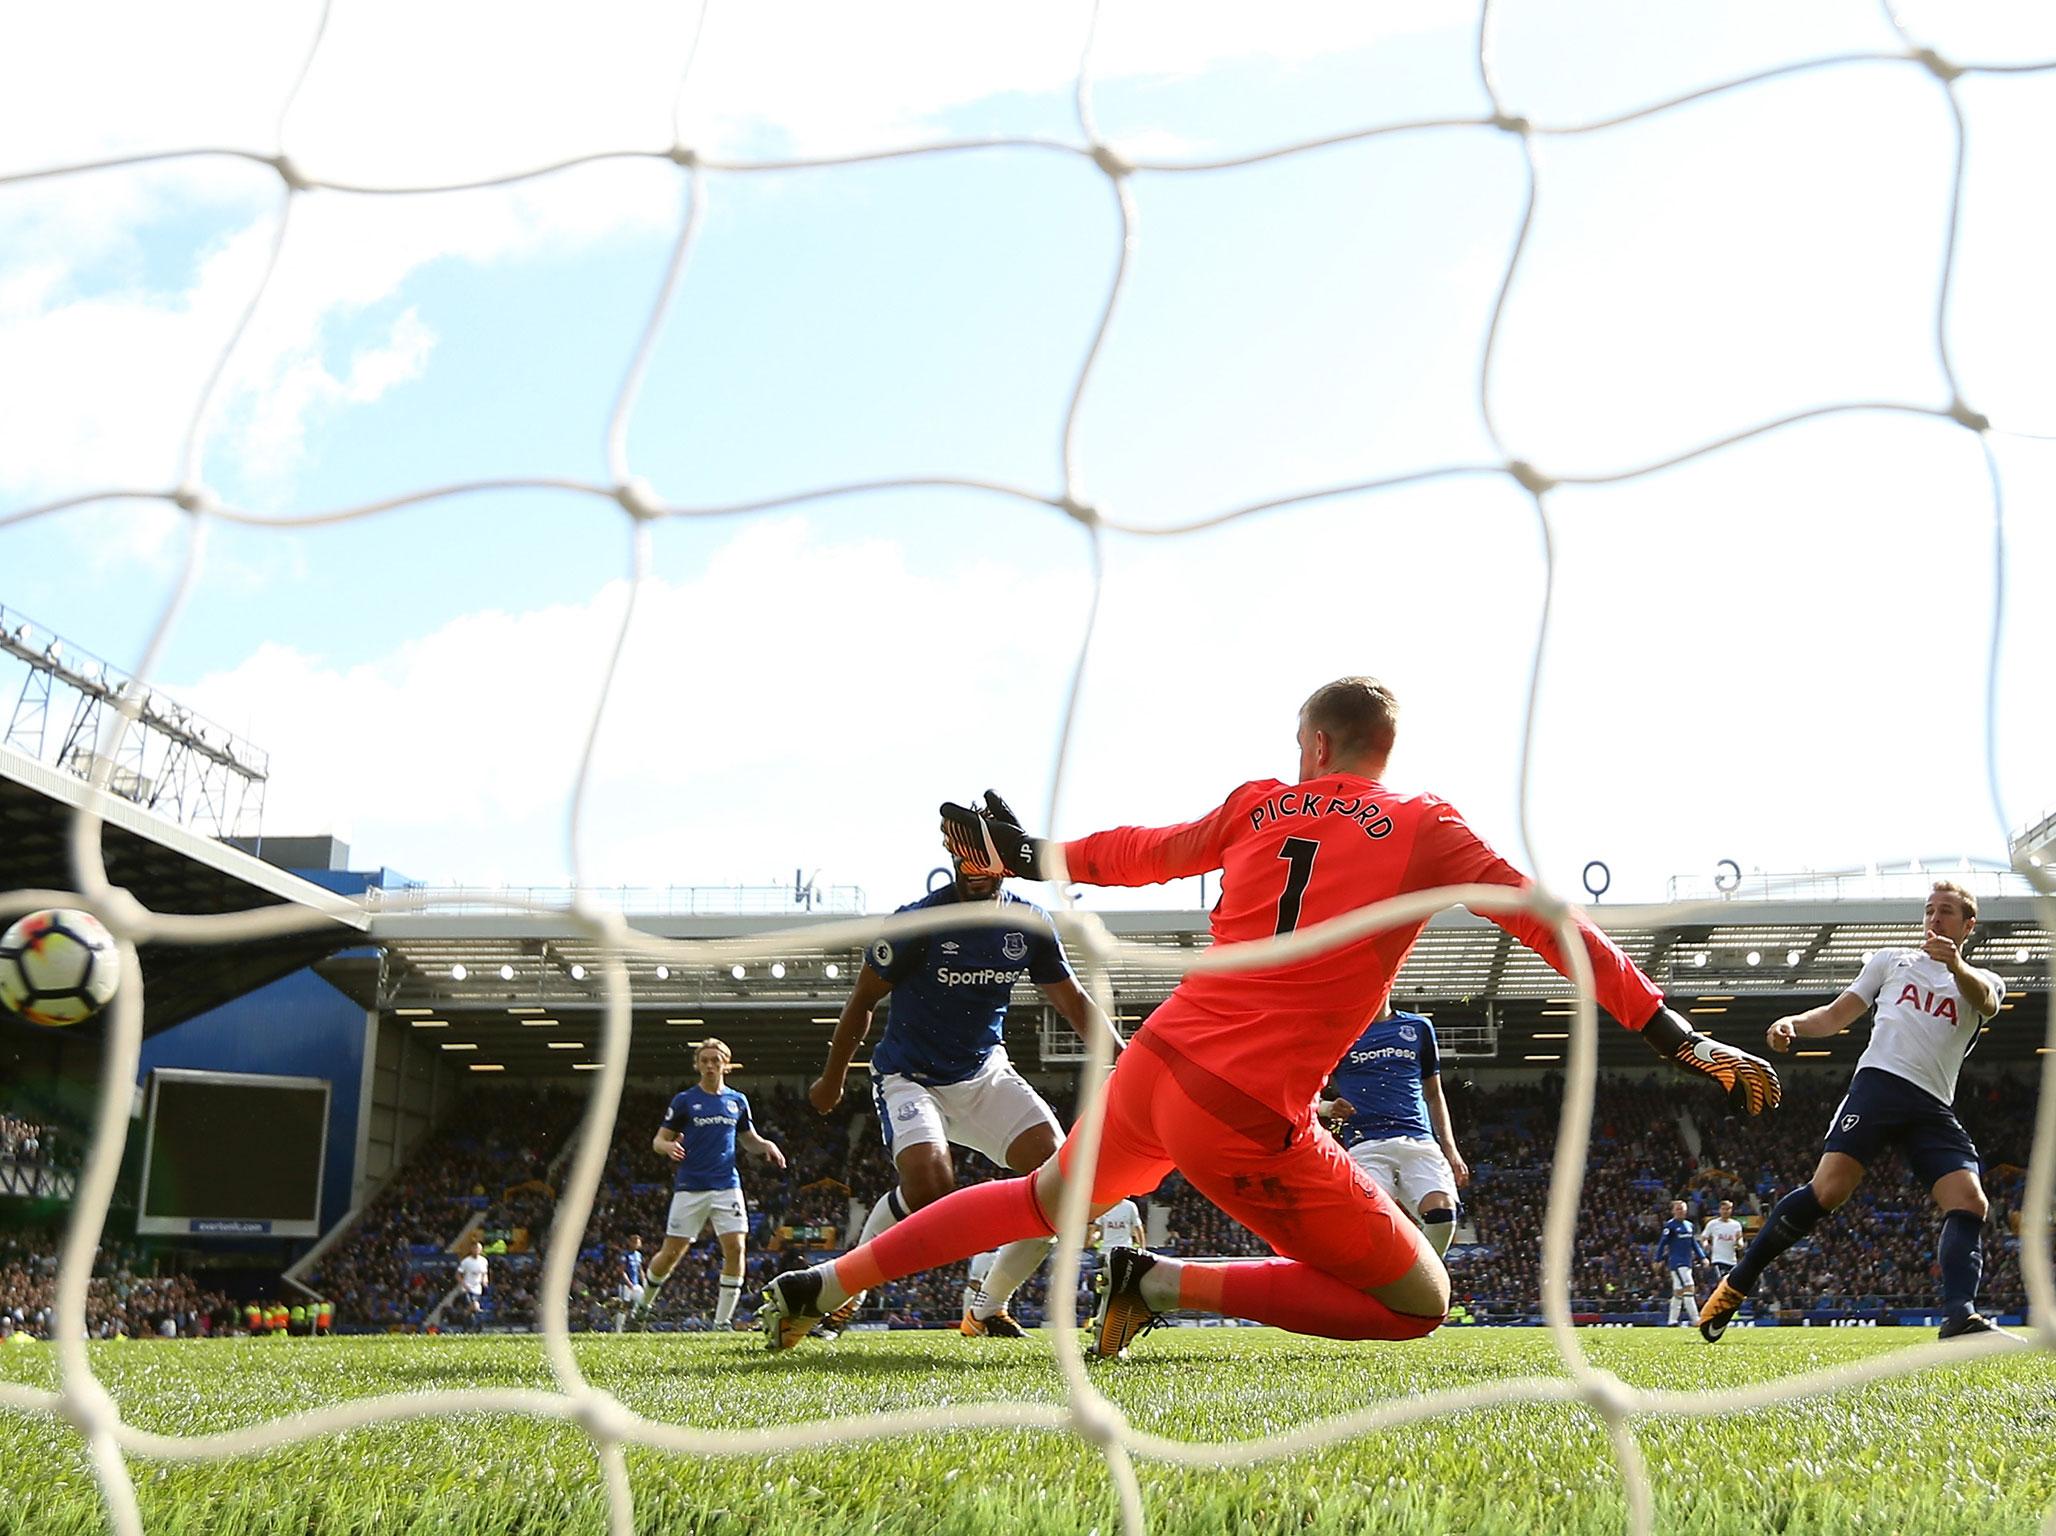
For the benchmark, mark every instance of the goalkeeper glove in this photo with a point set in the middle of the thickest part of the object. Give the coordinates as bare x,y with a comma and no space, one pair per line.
1749,1081
990,841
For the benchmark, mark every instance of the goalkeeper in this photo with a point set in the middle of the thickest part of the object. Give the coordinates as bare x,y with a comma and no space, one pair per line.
1220,1083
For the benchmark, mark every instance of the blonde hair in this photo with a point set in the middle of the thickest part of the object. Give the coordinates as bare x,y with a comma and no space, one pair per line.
719,1045
1359,715
1963,898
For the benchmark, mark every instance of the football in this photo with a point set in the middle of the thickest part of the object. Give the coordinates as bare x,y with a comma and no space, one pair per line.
58,967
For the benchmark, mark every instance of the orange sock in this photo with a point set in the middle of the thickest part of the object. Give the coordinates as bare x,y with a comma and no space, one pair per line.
961,1223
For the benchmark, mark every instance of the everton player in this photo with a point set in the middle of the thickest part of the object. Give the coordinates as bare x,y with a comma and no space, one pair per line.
1387,1092
1677,1250
700,1132
1220,1082
1931,1003
939,1074
633,1280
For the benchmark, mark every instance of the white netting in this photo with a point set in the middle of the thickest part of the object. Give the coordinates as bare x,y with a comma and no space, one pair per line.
84,1403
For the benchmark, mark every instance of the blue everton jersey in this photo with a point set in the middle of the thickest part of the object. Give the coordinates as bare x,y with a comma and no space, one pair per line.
632,1266
1678,1245
707,1123
1381,1077
950,989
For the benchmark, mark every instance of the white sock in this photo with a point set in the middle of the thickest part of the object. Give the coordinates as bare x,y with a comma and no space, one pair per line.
650,1288
731,1292
1160,1285
832,1293
1010,1266
888,1211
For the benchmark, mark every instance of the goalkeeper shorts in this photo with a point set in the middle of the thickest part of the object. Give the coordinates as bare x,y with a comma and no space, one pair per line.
1292,1185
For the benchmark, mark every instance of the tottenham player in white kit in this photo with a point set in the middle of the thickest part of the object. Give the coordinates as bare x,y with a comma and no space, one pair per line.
1118,1226
1931,1004
940,1073
1721,1236
472,1279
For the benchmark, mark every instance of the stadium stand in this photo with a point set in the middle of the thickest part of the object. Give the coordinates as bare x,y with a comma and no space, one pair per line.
128,1296
487,1171
397,1260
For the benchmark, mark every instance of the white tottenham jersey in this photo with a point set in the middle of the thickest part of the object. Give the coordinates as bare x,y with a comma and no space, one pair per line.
1924,1028
1120,1226
1720,1238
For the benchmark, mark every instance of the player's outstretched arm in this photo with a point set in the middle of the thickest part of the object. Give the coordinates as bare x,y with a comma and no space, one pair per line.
766,1149
825,1092
1448,852
1445,1132
1816,1023
992,842
1080,1012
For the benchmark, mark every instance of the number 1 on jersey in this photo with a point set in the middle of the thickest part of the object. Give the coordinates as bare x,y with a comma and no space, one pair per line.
1299,853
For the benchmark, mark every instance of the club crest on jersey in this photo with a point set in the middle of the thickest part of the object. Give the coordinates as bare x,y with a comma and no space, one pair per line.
881,953
1408,1032
1014,946
1928,1002
1849,1123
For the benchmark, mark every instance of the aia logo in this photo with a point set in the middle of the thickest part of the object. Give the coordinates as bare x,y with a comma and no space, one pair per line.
1928,1002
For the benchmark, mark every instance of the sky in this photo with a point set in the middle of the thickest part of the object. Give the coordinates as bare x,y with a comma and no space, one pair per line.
1774,654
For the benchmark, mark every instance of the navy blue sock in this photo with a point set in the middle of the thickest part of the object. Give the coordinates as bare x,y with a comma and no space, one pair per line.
1962,1260
1792,1218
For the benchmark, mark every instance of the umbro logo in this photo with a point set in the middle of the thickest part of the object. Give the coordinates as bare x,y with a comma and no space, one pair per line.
950,946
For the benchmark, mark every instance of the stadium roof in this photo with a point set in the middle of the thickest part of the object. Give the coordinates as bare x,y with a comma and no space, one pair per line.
168,869
522,1004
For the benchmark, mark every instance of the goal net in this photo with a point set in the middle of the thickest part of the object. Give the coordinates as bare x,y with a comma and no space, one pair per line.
1514,307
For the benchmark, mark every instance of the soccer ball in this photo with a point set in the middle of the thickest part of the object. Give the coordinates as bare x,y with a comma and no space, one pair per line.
58,967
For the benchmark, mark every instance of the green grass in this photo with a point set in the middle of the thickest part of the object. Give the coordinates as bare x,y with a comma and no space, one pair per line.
1968,1449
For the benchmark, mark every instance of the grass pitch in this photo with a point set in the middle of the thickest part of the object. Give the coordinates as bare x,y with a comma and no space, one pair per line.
1961,1450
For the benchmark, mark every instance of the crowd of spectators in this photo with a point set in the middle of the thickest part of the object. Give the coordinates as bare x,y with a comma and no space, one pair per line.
126,1298
486,1164
35,1138
1652,1140
1876,1252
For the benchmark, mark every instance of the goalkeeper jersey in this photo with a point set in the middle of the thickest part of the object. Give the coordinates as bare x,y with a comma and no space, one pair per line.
1291,856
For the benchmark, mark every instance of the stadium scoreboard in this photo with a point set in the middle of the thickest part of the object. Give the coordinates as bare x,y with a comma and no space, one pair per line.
232,1154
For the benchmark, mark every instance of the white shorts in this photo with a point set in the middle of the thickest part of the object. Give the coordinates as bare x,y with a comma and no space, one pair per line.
632,1294
987,1112
691,1209
1681,1278
1406,1168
